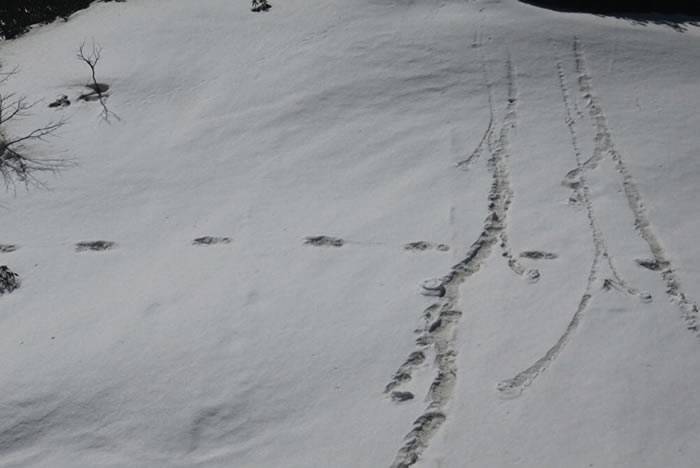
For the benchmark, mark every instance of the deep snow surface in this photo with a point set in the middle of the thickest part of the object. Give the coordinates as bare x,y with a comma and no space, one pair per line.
380,123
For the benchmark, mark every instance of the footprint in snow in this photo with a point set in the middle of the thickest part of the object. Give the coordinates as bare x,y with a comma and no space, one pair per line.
423,245
324,241
7,248
209,240
651,264
95,246
399,397
538,255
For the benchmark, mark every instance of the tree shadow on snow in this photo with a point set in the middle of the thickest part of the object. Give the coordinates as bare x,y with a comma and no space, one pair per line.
676,14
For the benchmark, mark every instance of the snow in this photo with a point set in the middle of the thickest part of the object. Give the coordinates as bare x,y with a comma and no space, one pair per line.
350,120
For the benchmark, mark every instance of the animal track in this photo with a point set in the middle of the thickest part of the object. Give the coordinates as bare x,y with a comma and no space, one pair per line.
400,397
62,101
422,245
433,287
499,149
324,241
478,151
514,386
7,248
438,335
642,224
96,92
209,240
651,264
419,437
537,255
94,246
403,374
577,181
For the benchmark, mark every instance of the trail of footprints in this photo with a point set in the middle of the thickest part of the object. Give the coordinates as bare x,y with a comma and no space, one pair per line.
329,241
435,345
436,340
602,266
103,245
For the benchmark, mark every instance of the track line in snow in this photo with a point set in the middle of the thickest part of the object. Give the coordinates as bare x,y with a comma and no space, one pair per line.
500,147
642,223
514,386
602,261
438,336
478,151
481,146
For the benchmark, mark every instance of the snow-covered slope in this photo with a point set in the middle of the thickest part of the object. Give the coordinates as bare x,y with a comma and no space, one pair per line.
490,127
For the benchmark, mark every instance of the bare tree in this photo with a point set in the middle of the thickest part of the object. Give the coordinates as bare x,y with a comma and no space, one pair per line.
99,90
17,164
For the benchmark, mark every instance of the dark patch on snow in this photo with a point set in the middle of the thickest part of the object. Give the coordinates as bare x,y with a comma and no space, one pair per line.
210,240
9,280
63,101
324,241
94,245
677,14
538,255
650,264
423,245
399,397
260,5
420,245
7,248
97,91
16,16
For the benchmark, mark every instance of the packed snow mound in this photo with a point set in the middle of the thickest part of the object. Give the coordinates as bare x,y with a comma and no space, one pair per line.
355,234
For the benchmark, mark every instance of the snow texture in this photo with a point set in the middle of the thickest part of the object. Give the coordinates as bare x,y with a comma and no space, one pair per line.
355,235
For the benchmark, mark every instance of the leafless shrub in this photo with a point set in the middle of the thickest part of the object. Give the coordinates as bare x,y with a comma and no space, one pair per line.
17,163
98,91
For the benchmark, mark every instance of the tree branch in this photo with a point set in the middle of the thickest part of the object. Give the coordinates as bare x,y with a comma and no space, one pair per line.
16,163
91,59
